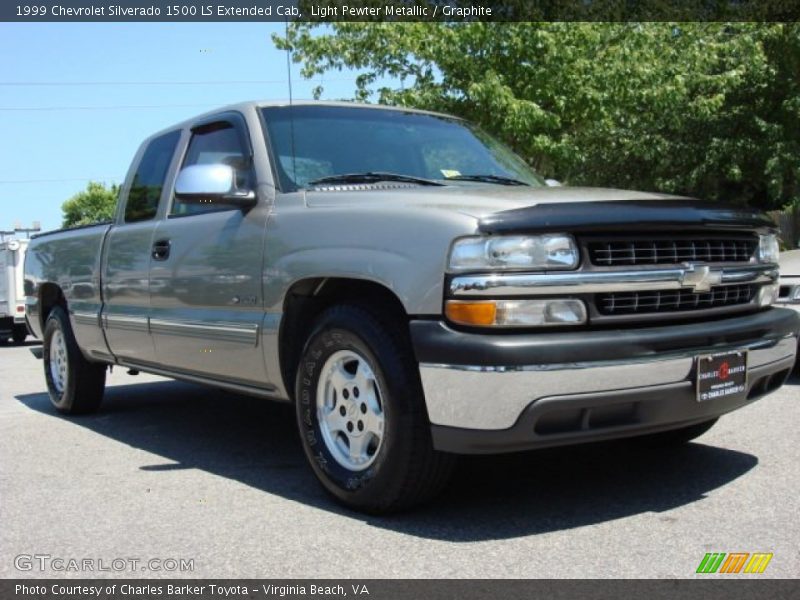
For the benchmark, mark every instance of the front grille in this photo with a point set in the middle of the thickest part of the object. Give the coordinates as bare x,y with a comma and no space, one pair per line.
670,251
630,303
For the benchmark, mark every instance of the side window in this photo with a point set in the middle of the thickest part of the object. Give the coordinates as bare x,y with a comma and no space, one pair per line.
215,144
148,181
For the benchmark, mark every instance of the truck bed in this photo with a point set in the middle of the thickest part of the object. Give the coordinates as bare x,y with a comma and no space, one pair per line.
70,259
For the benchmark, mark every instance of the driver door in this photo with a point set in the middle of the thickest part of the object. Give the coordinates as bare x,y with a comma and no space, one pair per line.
205,277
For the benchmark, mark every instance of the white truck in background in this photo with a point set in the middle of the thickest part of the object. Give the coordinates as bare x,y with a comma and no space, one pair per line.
12,294
789,294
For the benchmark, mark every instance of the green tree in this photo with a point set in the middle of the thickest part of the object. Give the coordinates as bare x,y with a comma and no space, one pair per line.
96,203
705,109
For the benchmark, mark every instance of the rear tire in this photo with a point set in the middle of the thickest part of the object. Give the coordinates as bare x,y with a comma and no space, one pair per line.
19,334
361,413
675,437
75,385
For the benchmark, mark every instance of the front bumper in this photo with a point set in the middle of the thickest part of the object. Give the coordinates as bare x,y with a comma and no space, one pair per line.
497,393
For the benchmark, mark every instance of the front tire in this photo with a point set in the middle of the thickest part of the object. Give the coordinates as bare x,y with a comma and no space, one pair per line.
75,385
361,414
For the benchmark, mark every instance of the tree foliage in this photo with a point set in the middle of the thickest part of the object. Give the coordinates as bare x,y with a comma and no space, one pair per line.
94,204
704,109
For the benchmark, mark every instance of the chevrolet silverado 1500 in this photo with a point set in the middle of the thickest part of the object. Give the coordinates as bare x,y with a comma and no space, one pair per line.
414,288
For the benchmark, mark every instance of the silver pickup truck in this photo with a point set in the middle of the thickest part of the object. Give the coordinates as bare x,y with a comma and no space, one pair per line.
415,289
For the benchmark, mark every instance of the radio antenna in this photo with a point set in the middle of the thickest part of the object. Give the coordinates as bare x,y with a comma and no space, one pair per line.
291,106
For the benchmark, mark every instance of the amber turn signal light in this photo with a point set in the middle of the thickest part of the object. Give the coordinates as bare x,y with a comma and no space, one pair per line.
531,312
471,313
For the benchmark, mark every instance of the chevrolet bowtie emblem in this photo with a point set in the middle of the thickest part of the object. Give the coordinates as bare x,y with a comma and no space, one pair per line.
700,278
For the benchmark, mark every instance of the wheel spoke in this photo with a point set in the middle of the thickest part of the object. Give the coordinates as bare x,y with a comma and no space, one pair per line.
358,448
373,423
373,418
354,424
340,378
59,364
364,379
334,420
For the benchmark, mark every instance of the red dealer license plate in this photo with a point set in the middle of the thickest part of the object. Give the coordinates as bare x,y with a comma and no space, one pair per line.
721,375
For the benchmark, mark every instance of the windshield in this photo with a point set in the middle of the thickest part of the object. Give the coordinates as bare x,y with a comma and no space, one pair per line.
313,142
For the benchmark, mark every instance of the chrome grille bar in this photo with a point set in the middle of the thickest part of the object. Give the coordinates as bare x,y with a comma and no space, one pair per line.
595,282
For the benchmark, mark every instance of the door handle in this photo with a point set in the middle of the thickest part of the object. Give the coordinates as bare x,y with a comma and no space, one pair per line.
161,250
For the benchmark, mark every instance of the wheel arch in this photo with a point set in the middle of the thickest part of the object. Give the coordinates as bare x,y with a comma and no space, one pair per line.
307,298
50,296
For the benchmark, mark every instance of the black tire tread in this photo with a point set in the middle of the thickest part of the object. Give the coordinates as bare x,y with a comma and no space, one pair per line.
87,380
427,470
19,334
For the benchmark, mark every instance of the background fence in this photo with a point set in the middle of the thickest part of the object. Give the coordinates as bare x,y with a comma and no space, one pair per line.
788,221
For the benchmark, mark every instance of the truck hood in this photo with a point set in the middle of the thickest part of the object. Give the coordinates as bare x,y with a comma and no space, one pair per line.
501,209
475,200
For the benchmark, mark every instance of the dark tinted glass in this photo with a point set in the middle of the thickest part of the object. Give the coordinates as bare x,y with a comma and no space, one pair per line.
309,142
148,181
218,145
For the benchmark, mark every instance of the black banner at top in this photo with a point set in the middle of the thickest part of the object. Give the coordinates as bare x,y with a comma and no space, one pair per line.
452,11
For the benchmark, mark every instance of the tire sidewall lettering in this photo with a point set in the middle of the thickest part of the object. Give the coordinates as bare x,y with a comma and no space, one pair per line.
320,348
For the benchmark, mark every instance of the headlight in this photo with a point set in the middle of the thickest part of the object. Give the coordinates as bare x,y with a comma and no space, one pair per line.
541,252
516,313
768,249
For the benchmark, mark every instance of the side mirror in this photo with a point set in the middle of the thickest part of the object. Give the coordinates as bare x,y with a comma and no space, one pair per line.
212,184
553,183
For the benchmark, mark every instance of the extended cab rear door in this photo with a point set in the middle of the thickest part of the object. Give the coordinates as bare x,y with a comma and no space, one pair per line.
205,287
129,246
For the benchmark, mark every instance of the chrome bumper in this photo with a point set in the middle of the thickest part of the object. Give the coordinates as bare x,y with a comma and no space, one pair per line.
494,397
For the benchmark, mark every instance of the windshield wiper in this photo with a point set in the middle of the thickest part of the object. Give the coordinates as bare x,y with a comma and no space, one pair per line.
372,177
499,179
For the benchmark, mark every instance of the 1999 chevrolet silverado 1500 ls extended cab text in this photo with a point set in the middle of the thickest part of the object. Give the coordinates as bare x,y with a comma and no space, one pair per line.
414,288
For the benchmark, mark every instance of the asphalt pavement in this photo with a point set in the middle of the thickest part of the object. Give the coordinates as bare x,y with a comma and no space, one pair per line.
185,481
